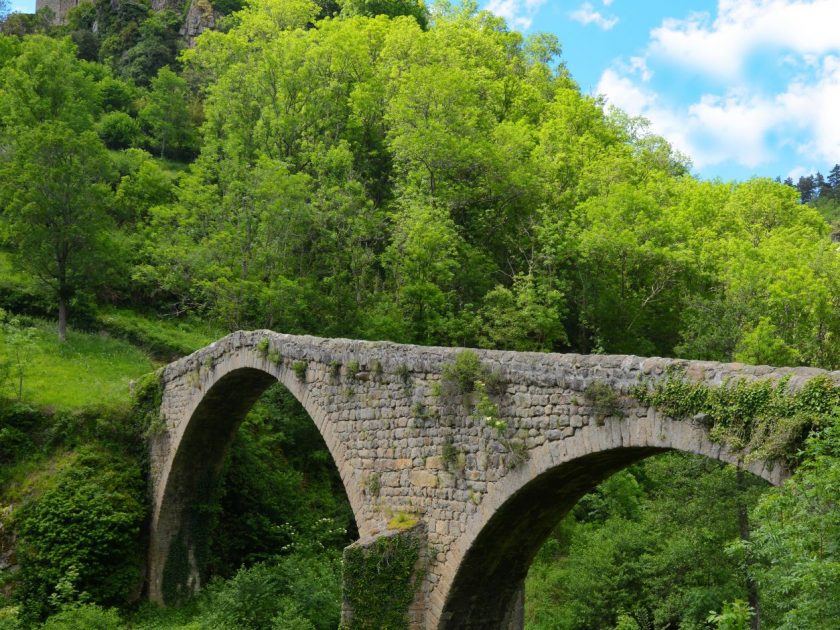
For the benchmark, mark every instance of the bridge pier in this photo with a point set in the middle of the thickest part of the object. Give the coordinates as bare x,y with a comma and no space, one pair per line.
384,581
515,617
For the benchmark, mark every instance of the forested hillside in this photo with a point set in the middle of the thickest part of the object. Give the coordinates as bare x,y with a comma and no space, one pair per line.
377,170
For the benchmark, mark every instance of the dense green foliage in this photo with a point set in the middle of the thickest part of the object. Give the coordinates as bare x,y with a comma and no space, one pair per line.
649,543
298,592
441,185
262,508
405,172
81,539
381,582
761,416
796,545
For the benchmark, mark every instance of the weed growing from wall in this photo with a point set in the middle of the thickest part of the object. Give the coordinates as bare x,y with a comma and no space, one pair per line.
485,410
404,373
376,368
474,383
299,368
604,399
374,484
262,347
763,417
147,396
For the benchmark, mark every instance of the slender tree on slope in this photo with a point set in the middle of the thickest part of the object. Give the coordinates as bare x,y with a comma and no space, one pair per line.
55,209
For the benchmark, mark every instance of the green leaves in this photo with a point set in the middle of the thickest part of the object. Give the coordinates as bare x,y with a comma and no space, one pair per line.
645,550
795,545
764,417
86,524
32,93
56,202
166,115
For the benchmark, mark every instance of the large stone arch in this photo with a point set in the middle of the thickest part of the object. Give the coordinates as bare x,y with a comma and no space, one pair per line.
489,562
187,457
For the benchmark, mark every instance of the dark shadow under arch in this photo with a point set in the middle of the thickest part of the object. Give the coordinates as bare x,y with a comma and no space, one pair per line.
487,590
180,539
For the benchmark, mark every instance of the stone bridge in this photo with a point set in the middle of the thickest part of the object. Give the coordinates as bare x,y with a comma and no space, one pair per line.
487,474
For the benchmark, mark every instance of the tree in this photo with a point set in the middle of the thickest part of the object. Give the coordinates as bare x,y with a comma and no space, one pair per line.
55,216
797,558
157,47
833,180
805,186
391,8
166,115
821,187
46,81
118,130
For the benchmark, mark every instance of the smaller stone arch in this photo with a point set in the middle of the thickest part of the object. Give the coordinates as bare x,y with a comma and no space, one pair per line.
205,399
486,567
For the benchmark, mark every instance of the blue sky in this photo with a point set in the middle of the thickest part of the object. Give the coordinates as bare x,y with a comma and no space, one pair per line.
743,87
23,6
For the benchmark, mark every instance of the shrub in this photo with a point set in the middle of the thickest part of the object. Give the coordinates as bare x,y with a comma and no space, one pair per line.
299,368
335,369
80,539
605,401
9,618
404,372
17,420
353,368
374,484
460,377
118,130
262,596
380,581
87,616
116,95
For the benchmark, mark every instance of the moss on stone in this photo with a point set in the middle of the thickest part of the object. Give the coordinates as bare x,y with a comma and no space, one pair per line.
763,417
381,580
147,396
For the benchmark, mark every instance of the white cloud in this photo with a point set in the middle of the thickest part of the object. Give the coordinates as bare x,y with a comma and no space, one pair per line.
720,47
801,171
586,14
738,125
639,65
814,107
518,13
607,2
748,121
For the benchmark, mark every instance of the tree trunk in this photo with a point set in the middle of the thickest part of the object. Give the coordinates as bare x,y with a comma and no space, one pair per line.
744,526
62,319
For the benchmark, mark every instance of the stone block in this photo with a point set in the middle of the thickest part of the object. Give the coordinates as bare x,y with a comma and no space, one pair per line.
424,479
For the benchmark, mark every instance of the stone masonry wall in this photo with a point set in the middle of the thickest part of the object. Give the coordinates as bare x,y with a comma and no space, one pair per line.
401,446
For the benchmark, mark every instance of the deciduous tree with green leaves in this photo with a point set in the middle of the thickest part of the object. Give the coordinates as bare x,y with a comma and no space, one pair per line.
166,114
55,197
